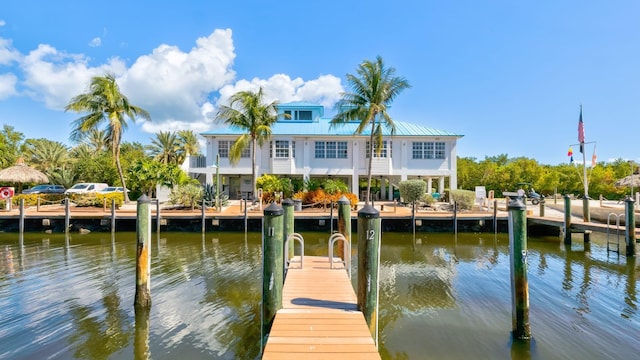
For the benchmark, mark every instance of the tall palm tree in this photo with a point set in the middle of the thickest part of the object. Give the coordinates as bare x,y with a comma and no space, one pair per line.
247,112
104,103
372,91
188,144
164,148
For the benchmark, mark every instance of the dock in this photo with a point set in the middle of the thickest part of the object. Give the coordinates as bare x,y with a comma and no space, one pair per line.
319,318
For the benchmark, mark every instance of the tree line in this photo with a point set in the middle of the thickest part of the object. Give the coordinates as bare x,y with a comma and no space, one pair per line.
501,173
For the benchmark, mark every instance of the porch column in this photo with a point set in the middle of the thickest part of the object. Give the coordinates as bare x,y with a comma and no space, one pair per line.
383,189
429,185
441,185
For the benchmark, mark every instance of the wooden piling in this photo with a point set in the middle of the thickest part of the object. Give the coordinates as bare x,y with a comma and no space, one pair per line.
541,206
368,266
519,280
289,221
141,335
344,226
143,254
67,215
21,222
158,216
272,265
113,216
203,217
567,220
630,225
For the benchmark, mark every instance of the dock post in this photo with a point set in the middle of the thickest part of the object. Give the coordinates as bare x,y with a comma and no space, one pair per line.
630,222
67,215
369,225
143,254
519,282
158,216
289,224
567,220
203,216
495,216
245,215
344,226
586,211
272,266
542,206
21,223
113,216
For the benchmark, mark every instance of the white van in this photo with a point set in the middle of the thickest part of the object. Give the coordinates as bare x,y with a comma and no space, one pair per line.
85,188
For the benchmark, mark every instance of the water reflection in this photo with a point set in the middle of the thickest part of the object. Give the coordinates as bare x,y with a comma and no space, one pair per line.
441,297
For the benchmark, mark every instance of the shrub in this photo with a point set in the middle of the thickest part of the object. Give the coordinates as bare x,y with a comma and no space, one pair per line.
464,198
428,199
412,190
188,195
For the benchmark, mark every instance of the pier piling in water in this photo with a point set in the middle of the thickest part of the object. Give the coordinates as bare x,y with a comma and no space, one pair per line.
369,225
344,226
272,265
630,222
567,220
519,279
289,221
143,253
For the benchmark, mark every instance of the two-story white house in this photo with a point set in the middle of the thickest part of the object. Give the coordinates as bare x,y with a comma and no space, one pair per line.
304,145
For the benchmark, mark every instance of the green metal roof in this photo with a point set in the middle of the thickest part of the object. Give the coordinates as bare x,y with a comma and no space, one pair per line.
323,127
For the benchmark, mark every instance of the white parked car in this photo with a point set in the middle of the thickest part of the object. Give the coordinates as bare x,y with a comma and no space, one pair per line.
112,189
85,188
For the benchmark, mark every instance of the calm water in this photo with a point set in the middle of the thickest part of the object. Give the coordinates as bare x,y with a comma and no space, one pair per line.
441,297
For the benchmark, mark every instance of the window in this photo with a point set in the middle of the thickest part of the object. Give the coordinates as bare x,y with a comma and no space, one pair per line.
303,115
428,150
331,149
297,115
281,149
224,147
383,152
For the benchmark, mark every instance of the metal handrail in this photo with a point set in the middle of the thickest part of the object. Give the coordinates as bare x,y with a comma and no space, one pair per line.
617,216
296,237
347,261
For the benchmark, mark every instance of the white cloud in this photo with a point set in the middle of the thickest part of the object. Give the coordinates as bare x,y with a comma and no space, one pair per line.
174,85
324,90
7,85
180,89
7,53
95,42
2,23
55,77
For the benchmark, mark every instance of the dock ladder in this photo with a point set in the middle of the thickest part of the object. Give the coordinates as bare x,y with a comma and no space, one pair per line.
613,239
287,262
347,261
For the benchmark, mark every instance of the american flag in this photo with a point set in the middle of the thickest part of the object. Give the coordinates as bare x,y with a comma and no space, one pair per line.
581,131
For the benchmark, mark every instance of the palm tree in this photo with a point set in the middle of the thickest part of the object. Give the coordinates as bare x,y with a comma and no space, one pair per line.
98,140
188,144
103,102
247,112
372,91
164,148
46,155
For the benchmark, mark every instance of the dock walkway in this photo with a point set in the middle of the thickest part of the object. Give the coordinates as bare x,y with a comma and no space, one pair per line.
319,317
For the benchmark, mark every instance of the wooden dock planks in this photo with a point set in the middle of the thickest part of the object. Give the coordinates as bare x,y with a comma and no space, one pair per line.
319,318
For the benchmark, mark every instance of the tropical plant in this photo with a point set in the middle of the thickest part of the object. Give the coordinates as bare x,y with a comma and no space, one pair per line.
373,90
103,102
187,145
164,148
11,146
146,174
46,155
188,195
210,195
248,112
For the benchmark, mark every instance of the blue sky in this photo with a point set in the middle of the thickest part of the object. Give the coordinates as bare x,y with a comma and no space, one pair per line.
508,75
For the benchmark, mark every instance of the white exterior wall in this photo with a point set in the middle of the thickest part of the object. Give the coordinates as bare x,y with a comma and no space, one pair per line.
399,166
